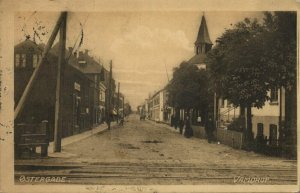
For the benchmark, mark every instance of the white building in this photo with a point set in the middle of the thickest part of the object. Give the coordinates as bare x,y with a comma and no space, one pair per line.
265,121
158,109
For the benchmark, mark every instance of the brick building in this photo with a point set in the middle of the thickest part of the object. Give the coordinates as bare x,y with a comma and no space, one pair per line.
77,99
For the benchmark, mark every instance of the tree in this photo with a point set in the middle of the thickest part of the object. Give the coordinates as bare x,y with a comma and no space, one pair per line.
252,58
237,70
189,89
280,58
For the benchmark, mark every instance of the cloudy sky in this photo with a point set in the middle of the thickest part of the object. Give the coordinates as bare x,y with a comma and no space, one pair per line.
144,46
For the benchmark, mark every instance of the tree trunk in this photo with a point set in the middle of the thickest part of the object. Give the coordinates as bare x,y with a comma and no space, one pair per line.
290,141
249,134
244,118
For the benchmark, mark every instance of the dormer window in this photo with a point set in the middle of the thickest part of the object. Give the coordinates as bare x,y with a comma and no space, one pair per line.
82,63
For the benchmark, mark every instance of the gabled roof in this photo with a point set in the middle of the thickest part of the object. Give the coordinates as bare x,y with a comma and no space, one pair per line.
197,59
91,67
28,46
203,35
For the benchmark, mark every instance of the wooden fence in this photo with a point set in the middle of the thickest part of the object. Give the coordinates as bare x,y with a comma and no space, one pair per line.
231,138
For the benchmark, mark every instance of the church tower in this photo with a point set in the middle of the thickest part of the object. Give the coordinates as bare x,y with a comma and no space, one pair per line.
203,43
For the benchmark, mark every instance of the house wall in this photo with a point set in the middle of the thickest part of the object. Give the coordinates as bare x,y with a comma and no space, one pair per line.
161,105
267,115
41,101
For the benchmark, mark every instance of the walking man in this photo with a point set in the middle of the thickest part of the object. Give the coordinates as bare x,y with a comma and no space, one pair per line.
188,129
209,128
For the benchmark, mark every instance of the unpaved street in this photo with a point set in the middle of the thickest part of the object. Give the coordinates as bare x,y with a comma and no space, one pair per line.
145,152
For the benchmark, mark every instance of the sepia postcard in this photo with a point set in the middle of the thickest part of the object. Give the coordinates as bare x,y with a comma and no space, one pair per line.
149,96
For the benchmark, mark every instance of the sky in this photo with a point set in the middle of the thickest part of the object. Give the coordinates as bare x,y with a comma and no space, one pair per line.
144,46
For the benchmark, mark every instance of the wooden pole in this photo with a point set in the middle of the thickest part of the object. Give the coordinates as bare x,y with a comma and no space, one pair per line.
118,102
59,85
123,107
280,118
33,77
215,110
109,96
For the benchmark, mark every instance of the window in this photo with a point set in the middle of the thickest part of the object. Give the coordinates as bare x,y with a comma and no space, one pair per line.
23,60
260,129
17,60
274,95
34,60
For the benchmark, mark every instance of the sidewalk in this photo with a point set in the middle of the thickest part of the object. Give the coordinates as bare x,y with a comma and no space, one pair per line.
74,138
65,141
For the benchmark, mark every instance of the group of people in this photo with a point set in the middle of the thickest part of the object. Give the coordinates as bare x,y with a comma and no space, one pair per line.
188,131
179,123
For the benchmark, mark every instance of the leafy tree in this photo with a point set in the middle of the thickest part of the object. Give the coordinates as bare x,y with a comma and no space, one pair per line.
252,58
237,70
279,54
279,57
189,89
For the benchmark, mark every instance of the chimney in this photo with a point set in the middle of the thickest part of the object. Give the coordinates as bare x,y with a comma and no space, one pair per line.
81,60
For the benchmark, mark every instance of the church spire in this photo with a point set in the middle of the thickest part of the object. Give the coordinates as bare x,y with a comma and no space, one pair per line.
203,43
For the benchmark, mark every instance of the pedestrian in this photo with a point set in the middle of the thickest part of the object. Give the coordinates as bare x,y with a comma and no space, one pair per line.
172,120
176,122
188,129
181,125
209,128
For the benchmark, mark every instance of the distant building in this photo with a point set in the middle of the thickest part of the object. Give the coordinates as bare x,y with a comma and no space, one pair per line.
158,109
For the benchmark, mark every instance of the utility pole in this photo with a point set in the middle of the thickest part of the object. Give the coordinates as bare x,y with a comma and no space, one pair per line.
109,95
29,86
118,102
59,84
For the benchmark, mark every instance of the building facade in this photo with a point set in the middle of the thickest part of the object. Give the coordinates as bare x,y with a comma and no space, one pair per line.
158,110
76,95
265,121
